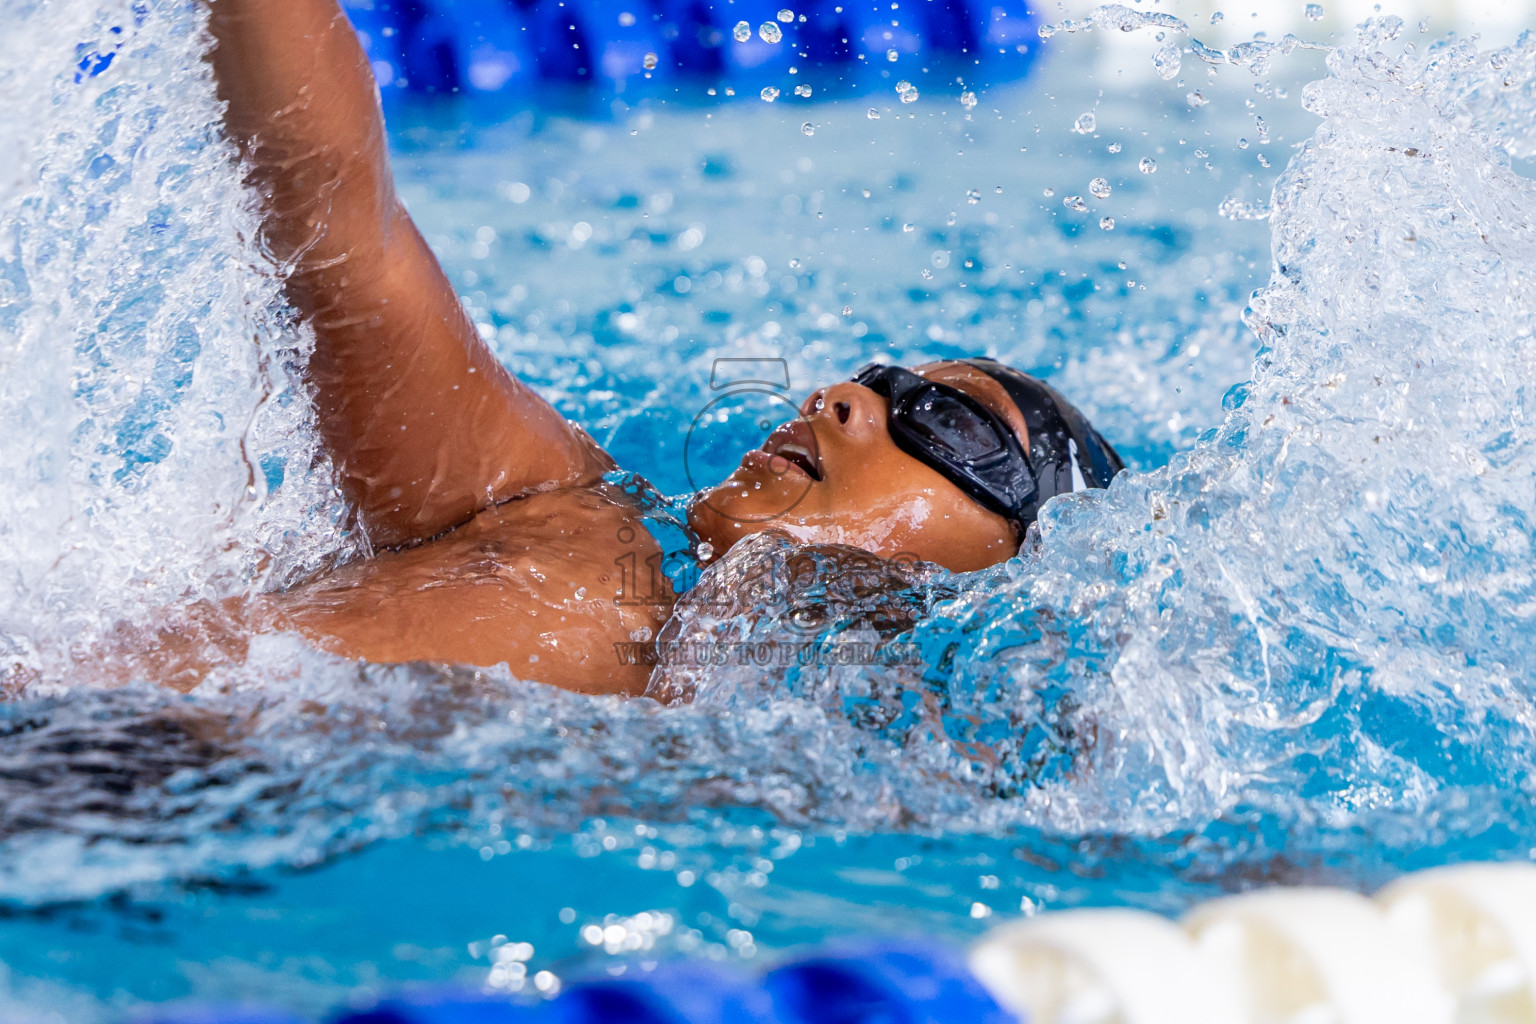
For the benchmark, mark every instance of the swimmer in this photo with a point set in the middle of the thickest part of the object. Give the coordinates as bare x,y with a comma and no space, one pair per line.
496,537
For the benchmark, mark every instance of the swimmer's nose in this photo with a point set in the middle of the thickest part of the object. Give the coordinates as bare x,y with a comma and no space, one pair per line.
851,408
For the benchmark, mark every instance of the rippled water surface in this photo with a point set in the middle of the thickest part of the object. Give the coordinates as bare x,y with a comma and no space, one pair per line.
1293,644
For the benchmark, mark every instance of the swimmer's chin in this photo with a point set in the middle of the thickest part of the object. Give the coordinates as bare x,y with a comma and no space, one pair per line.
759,495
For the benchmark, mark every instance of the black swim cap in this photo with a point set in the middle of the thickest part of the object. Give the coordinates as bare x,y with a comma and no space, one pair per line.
1065,452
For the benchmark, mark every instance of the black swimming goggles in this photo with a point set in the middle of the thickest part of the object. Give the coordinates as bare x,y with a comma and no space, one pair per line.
952,433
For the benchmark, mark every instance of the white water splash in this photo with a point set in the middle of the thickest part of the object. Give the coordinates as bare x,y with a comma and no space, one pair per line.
157,444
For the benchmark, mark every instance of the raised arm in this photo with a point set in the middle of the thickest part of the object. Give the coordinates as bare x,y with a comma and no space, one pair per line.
425,425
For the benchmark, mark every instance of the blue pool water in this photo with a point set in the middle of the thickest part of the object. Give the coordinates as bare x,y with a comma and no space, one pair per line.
1293,645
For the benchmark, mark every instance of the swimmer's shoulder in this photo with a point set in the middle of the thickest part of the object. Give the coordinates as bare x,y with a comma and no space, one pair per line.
560,585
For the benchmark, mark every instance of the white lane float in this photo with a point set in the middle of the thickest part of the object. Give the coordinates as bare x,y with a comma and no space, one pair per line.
1319,956
1103,966
1478,924
1446,946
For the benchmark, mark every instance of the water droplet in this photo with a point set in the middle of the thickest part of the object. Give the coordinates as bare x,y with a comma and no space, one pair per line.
910,96
1242,143
927,274
1262,125
968,100
1217,17
581,592
802,90
1050,191
998,190
1075,203
950,220
1167,61
1099,187
1196,99
873,115
847,311
1085,123
908,227
891,56
1108,224
1423,26
1314,12
1146,165
706,551
769,93
808,129
770,32
972,196
650,62
1113,147
1263,160
742,31
1201,154
786,15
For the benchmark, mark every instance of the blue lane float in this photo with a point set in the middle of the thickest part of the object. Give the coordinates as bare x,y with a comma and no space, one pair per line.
870,983
508,47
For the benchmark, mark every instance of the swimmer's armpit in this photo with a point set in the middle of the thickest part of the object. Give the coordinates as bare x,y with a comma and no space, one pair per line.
424,424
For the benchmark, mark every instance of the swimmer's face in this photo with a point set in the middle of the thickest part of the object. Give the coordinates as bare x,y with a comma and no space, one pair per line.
835,476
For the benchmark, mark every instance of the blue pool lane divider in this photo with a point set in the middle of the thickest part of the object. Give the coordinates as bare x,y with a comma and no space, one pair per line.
1451,945
509,47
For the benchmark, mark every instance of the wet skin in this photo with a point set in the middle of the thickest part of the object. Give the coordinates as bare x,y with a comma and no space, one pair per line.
496,538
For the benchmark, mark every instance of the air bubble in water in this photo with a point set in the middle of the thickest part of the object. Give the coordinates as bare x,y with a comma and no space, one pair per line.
1075,203
1196,99
1113,147
1085,123
742,32
1100,188
1106,223
650,62
808,129
786,15
873,115
891,55
802,90
972,196
968,100
769,93
1314,12
1146,165
770,32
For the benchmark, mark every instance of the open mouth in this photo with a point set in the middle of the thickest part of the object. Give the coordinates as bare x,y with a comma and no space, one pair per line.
795,443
